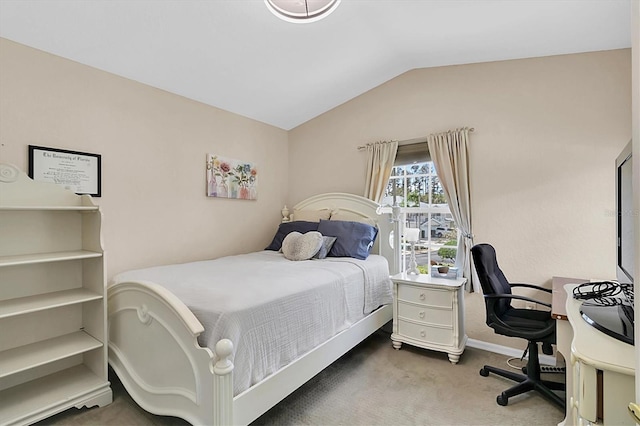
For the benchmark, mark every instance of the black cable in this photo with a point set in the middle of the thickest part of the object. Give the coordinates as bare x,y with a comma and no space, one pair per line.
596,290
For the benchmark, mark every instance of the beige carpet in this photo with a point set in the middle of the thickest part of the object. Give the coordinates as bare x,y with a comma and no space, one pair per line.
373,385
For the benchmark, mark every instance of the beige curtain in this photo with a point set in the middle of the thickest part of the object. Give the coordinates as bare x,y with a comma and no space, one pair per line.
380,158
449,154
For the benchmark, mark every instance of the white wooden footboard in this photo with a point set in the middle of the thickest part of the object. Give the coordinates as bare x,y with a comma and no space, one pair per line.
153,348
255,401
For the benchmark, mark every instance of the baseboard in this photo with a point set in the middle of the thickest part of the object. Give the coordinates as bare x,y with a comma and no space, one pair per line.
505,350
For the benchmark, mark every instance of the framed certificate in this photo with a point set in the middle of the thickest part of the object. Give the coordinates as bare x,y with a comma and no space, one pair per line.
78,171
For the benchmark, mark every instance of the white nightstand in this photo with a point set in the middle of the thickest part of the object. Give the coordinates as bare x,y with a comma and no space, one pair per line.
429,313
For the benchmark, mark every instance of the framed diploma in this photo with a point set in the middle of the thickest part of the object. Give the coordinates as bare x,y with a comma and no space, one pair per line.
78,171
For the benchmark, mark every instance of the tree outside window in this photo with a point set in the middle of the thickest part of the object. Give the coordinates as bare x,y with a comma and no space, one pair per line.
417,189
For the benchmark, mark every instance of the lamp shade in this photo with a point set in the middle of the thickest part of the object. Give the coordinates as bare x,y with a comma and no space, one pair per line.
301,10
411,234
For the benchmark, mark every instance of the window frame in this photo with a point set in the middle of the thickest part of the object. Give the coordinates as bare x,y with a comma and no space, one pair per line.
428,211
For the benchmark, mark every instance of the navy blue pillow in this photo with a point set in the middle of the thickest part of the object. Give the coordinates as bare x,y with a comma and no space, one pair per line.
354,239
285,228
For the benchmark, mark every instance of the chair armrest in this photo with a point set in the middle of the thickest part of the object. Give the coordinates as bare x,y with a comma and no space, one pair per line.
515,296
533,286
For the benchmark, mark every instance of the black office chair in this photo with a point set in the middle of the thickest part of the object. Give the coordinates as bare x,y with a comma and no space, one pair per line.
533,325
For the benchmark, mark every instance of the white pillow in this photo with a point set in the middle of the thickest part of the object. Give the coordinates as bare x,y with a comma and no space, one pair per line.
297,246
352,217
311,215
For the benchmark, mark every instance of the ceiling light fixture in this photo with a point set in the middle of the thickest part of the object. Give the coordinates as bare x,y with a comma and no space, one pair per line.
300,11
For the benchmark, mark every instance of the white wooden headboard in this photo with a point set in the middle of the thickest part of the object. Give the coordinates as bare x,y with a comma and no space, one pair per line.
359,206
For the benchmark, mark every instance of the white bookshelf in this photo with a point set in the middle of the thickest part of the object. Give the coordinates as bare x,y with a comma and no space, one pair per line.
38,302
29,259
53,345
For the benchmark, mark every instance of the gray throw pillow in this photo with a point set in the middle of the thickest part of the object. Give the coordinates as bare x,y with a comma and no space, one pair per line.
327,243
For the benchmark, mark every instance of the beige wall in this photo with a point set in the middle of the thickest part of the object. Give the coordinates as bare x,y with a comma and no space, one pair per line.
542,156
547,133
153,146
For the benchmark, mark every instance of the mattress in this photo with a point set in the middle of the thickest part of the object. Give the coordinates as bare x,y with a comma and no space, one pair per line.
273,310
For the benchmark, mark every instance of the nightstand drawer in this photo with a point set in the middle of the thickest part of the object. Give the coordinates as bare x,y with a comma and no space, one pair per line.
442,336
438,316
425,296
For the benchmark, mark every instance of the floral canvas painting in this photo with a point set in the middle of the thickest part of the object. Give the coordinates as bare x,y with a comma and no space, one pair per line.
229,178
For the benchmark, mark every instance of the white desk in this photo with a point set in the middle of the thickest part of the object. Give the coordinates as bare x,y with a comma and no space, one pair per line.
564,334
601,371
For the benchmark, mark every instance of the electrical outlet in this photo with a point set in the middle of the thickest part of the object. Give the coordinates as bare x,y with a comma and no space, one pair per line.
529,305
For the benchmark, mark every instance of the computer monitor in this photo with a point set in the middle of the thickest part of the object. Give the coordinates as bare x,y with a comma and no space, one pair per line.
615,315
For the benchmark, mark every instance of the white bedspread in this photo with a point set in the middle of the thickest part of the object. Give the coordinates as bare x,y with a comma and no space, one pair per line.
272,309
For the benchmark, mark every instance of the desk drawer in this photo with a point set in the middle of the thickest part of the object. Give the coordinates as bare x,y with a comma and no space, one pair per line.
439,316
424,333
425,296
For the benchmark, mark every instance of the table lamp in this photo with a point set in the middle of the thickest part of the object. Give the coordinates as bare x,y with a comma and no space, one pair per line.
411,235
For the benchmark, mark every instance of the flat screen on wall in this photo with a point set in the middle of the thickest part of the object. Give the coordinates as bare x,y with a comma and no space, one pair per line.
625,217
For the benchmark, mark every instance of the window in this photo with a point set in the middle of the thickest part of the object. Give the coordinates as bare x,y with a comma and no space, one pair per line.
416,188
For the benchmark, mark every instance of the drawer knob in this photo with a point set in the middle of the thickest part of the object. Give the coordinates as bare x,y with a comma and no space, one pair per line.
422,296
422,333
421,314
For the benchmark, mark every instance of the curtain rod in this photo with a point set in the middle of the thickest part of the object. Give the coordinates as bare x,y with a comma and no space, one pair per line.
409,141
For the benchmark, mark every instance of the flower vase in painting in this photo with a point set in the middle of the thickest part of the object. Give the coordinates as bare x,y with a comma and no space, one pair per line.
244,193
244,175
233,189
223,191
211,179
212,188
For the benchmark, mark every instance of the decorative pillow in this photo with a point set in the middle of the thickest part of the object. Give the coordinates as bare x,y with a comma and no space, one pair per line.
327,243
352,217
354,239
285,228
311,215
297,246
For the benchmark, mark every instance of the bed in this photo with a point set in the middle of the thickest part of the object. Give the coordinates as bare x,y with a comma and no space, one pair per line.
177,357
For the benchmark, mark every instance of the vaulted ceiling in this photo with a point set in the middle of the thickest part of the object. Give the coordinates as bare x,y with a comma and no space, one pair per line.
236,55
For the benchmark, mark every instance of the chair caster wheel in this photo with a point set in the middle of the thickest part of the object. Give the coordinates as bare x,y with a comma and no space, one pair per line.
502,400
484,372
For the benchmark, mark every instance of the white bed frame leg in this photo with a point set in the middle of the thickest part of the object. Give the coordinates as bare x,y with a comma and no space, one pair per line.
223,383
